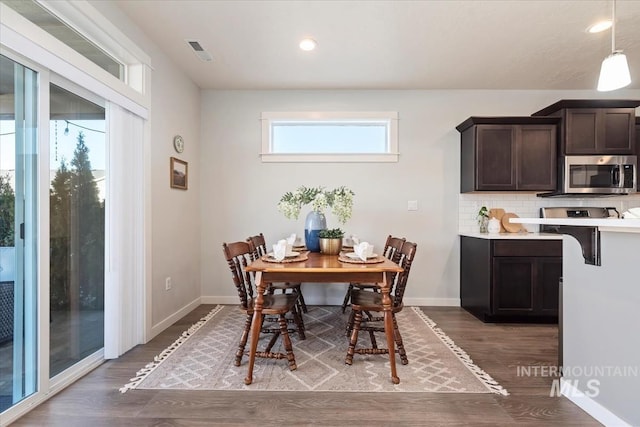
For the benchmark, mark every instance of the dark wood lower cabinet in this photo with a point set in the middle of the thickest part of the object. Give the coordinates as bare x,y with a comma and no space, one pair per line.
510,280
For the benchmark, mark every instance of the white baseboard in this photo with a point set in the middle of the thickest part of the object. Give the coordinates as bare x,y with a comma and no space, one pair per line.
171,319
421,302
590,406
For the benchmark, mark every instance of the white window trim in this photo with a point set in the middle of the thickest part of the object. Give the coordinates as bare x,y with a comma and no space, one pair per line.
391,155
20,35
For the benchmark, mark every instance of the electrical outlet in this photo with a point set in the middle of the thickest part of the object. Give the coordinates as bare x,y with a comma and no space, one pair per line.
412,205
167,283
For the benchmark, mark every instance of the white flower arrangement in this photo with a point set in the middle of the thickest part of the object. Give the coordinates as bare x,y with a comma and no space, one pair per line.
339,200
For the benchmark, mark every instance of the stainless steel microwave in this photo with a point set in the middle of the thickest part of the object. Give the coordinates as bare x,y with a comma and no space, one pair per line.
599,175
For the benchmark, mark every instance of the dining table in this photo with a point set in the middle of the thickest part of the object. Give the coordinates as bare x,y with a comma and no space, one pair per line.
315,267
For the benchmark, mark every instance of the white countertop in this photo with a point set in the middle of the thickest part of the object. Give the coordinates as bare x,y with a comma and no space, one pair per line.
603,224
513,236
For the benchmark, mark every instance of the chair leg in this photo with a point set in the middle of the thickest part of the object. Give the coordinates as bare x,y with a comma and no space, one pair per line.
287,343
372,336
349,327
398,339
303,304
272,341
297,318
357,320
243,341
347,298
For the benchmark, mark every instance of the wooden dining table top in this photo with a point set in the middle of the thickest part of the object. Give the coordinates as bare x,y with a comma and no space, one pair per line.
321,263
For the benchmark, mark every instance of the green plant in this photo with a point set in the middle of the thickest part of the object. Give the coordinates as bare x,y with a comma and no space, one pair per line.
482,214
332,233
340,200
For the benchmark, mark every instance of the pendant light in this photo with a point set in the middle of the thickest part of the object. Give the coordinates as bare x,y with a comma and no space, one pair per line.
614,73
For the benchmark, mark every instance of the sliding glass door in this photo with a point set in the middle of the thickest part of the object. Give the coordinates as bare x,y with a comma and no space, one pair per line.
77,228
76,217
18,232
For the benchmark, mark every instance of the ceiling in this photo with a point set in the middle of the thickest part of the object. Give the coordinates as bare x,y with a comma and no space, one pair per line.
479,44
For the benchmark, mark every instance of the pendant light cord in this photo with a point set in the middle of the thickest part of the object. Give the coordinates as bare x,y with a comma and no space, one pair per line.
613,27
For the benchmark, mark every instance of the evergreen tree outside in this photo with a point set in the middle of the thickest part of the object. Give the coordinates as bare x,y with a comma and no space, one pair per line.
77,234
59,226
7,212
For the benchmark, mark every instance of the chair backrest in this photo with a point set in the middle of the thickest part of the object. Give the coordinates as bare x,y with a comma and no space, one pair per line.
238,256
259,245
392,248
407,253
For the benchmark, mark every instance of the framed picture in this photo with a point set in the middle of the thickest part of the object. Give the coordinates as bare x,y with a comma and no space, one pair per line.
179,174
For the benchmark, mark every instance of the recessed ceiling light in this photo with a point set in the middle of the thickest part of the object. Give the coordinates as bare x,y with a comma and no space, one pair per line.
308,44
599,26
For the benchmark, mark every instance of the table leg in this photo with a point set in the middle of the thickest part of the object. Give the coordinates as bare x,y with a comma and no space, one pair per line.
388,328
256,324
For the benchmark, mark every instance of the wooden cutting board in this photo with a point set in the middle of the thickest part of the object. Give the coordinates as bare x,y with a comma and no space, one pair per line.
511,228
497,213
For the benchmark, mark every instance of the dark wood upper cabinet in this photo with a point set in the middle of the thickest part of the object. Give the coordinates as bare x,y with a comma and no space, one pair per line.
595,127
508,154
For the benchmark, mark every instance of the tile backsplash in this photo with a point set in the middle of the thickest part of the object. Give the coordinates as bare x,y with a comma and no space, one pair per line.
528,205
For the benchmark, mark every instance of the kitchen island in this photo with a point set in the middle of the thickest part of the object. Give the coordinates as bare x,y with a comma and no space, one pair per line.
600,305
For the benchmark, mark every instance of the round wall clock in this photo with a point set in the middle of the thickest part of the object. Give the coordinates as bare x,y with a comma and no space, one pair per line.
178,143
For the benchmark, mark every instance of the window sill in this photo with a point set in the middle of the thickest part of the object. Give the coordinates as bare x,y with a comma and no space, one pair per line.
329,158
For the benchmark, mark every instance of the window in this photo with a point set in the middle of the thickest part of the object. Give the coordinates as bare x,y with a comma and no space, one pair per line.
330,137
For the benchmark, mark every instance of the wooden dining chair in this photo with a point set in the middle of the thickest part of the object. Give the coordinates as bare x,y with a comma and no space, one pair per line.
391,251
260,249
238,256
366,302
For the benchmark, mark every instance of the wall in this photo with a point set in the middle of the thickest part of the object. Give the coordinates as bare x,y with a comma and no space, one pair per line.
240,192
175,234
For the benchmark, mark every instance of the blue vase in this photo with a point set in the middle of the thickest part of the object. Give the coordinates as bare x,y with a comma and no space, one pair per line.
312,225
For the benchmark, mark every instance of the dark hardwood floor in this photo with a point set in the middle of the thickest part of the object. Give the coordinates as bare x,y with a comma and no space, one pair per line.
497,348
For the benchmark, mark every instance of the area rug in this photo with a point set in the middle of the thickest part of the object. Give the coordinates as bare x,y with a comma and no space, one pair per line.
202,358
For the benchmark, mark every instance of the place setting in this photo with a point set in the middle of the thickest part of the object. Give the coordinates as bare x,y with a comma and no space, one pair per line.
287,250
362,254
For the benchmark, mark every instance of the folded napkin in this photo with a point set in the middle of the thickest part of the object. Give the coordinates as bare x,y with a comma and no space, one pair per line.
363,250
280,250
291,241
354,240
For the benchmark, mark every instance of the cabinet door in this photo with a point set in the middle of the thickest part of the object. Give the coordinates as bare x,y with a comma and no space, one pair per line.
536,157
495,153
513,285
617,133
581,130
549,271
600,131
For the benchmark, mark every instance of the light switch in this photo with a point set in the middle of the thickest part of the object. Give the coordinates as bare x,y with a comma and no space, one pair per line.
412,205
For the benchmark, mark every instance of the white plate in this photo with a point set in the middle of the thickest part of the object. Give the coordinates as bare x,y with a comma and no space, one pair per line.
291,254
353,255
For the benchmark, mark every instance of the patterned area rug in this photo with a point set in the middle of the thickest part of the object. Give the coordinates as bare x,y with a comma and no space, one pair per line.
202,359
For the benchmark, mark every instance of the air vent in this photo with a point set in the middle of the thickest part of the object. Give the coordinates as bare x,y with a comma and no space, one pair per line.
199,50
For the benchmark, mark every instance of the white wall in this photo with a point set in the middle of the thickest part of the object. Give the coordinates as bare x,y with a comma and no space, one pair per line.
240,192
175,233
